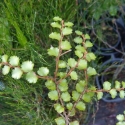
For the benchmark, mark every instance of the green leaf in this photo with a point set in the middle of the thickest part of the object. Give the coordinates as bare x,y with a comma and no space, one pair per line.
87,36
74,123
123,84
88,44
92,89
117,84
78,53
62,64
67,31
69,106
69,24
57,18
55,35
78,32
17,73
5,70
72,112
60,121
81,106
90,56
61,74
106,85
71,62
56,25
53,95
4,58
113,10
14,60
113,93
65,45
43,71
80,48
86,97
59,108
120,117
99,95
122,94
31,77
63,85
74,75
82,64
91,71
53,51
75,95
65,96
50,85
27,66
78,40
79,88
82,83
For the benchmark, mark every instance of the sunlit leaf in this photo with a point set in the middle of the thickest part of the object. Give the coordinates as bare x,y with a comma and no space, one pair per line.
72,62
78,53
81,106
86,97
43,71
50,85
113,93
4,58
69,106
74,75
88,44
53,95
63,85
53,51
78,32
91,71
122,94
61,74
87,36
27,66
75,95
79,88
60,121
56,25
57,18
74,123
67,31
72,112
59,108
80,48
120,117
65,45
82,64
55,35
17,73
117,84
14,60
31,77
106,85
69,24
65,96
62,64
5,70
78,40
99,95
